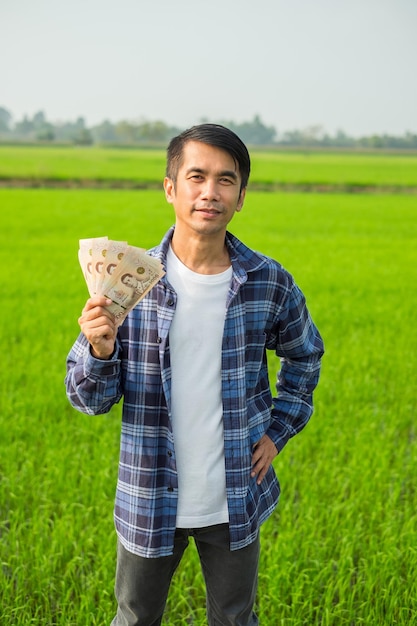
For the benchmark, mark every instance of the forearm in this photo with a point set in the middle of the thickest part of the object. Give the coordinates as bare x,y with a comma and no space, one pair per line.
93,386
300,348
293,406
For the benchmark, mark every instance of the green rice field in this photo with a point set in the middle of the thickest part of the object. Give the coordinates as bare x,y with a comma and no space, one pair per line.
148,166
341,549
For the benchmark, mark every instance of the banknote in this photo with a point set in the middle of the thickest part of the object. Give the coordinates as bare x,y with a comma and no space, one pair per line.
122,273
88,262
110,256
131,280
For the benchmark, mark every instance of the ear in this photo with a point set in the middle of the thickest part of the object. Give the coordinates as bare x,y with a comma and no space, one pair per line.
241,199
169,189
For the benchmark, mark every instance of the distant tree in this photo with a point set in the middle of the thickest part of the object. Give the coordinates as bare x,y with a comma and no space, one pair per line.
153,131
42,129
292,138
39,120
24,128
37,128
5,120
342,140
45,132
104,132
82,137
74,132
126,132
253,132
65,131
411,140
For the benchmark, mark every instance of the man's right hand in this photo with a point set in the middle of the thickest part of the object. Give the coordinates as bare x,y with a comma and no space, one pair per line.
99,327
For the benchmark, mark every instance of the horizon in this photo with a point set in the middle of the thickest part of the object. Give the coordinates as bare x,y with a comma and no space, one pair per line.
317,133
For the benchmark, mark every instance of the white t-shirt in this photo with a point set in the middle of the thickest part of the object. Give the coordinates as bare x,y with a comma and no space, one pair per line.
195,340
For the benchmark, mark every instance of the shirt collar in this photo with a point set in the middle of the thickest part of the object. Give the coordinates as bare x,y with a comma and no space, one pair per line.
243,259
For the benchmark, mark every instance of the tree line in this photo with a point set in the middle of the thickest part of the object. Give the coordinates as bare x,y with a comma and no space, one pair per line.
38,129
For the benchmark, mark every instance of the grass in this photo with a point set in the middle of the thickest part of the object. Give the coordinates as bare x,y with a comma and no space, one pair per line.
326,168
81,163
268,168
341,548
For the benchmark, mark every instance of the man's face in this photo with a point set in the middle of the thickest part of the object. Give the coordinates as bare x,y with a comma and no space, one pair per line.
129,280
207,192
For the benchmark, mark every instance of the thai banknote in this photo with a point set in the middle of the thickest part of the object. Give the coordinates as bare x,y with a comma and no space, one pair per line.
131,280
87,256
110,256
122,273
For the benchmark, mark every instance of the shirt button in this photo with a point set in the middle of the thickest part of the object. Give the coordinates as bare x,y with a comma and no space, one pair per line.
169,453
159,340
170,302
170,489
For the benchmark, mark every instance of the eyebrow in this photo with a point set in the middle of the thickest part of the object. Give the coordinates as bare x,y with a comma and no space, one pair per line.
200,170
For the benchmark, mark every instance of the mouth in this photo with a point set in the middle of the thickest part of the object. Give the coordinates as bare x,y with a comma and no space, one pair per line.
208,211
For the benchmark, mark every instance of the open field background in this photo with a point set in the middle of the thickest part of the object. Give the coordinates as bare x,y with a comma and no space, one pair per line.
350,169
342,547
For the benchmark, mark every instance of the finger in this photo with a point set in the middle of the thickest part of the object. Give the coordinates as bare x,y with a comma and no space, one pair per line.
263,454
266,446
100,334
256,454
260,470
96,301
102,325
90,313
101,339
262,474
260,449
258,462
96,316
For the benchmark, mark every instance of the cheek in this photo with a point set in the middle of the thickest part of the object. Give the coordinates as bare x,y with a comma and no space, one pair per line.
185,192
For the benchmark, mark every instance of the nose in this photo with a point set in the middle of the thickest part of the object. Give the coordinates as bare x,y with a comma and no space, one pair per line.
210,190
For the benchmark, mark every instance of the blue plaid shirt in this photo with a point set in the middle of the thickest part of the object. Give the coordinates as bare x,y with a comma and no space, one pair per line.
265,311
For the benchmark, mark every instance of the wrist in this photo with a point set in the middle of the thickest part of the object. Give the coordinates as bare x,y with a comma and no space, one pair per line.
100,356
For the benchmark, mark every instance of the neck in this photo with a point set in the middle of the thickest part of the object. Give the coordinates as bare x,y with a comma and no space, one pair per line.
201,255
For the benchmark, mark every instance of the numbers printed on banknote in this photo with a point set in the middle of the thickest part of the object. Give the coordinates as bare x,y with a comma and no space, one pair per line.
122,273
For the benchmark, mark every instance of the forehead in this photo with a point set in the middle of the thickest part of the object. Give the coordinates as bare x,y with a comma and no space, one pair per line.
199,155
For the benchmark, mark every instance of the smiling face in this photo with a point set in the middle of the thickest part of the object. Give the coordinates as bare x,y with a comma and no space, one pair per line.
206,192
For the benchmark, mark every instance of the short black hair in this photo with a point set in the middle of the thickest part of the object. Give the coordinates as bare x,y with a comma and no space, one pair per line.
214,135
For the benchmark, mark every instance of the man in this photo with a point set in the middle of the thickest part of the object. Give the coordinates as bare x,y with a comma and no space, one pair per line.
200,427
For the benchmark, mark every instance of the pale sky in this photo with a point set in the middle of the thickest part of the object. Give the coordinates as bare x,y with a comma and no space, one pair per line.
341,64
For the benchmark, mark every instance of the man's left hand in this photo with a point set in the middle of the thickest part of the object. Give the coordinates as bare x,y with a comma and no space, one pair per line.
264,452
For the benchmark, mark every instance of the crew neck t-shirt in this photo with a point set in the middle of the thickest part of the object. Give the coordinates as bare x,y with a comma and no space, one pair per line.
195,343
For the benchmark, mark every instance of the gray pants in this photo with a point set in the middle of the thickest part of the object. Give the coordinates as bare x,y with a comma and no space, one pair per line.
231,580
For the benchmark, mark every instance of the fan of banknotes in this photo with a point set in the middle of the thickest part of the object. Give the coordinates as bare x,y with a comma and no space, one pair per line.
121,272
